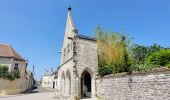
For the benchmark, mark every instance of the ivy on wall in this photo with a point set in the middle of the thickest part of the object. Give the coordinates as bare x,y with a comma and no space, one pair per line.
5,74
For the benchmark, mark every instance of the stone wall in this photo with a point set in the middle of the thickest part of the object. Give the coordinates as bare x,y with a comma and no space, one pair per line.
6,84
9,87
17,86
152,86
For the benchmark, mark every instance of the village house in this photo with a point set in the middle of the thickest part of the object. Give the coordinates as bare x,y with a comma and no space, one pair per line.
79,61
49,80
10,58
55,80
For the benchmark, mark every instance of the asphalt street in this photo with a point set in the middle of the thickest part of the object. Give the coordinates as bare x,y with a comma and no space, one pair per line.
37,94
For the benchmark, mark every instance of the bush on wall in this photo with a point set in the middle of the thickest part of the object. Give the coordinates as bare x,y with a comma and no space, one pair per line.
141,53
159,58
4,73
168,65
105,70
113,53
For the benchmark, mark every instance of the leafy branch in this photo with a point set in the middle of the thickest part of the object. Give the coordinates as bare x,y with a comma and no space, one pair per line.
5,74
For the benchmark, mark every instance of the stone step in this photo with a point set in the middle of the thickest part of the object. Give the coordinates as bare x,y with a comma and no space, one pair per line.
89,99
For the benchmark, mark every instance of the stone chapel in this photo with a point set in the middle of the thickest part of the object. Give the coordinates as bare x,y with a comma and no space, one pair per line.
79,61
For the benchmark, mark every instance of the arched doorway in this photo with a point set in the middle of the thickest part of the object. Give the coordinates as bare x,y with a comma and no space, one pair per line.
86,84
68,80
63,83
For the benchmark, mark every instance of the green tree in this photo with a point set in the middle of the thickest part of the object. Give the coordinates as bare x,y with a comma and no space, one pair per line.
154,48
113,52
159,58
140,53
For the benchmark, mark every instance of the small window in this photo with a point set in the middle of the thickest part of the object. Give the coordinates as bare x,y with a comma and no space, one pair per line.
68,48
71,45
16,66
56,83
64,52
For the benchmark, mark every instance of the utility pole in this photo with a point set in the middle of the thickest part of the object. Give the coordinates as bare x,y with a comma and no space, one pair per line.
33,71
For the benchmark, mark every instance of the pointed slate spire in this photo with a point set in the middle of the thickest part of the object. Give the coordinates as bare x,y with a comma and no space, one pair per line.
69,33
69,8
70,26
70,17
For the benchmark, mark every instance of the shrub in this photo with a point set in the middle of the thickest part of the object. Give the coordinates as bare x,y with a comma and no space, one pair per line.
15,74
141,53
105,70
3,71
10,76
134,68
76,98
113,51
168,65
159,58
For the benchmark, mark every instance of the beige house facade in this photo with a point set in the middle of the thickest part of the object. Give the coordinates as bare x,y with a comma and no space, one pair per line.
49,81
79,61
10,58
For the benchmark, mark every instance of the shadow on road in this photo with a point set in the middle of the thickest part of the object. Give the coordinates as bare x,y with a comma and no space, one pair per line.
39,89
33,89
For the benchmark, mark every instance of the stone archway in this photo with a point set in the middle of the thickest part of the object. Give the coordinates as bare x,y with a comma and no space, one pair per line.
68,82
63,83
86,84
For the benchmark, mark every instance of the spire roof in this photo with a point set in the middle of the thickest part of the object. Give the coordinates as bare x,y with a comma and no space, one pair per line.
70,17
69,8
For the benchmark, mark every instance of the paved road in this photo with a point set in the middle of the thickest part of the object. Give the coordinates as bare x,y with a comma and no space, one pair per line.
41,90
37,94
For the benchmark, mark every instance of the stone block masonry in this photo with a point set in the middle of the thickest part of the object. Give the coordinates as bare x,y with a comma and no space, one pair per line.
150,86
17,86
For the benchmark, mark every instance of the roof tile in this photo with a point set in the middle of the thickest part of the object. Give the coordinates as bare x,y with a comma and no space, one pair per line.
7,51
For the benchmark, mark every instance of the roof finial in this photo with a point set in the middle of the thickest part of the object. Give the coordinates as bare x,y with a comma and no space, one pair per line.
69,8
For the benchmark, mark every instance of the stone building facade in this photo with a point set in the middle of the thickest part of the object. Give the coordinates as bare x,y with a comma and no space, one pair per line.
78,66
10,58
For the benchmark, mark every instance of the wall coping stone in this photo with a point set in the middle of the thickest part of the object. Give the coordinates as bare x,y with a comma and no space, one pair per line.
138,73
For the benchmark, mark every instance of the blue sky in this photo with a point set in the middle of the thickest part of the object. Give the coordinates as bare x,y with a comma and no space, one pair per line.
35,28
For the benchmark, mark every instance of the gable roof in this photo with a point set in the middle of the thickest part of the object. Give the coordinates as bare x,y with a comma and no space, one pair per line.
87,37
7,51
